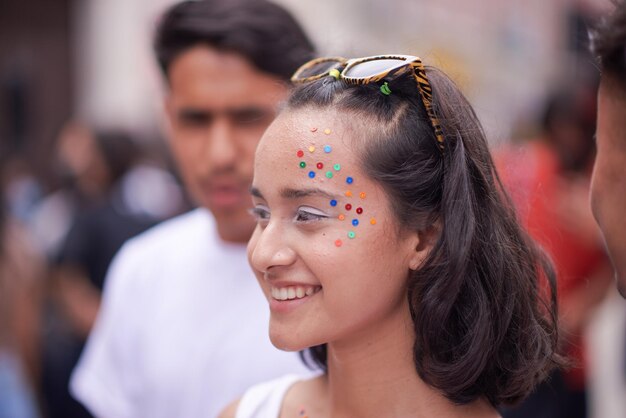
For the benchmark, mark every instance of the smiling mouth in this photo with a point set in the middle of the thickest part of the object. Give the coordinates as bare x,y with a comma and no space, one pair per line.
293,292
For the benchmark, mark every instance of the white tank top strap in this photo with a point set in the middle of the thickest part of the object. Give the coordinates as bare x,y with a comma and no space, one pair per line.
265,399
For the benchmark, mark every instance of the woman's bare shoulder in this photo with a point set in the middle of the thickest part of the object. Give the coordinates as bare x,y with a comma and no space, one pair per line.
231,410
307,395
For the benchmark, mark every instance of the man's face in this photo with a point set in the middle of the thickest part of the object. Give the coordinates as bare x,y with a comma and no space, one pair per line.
608,184
218,107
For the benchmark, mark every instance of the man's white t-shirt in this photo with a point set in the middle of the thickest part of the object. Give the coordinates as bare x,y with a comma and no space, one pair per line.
182,330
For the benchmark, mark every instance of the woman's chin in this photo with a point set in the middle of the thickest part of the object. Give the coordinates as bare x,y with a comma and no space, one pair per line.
288,342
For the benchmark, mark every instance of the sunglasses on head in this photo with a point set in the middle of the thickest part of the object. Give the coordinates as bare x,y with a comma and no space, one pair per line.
372,70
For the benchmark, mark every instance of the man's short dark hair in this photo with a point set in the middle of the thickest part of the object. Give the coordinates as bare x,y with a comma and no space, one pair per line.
261,31
609,44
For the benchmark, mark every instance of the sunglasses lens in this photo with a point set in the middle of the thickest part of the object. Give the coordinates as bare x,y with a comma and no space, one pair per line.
372,68
318,69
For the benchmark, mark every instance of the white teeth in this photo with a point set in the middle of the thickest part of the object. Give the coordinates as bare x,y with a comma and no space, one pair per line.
293,292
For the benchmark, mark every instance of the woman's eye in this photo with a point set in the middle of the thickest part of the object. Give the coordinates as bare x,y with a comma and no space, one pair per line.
260,213
309,214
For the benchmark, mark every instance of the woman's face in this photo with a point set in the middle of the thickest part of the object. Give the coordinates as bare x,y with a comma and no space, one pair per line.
326,249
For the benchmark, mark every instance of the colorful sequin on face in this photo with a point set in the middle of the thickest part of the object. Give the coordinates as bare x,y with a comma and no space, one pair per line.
330,173
313,129
327,131
302,410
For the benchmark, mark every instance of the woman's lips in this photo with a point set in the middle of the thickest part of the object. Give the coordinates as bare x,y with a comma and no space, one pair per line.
293,292
285,299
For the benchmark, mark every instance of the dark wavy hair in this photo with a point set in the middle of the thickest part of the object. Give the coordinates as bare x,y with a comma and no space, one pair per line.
261,31
608,44
485,324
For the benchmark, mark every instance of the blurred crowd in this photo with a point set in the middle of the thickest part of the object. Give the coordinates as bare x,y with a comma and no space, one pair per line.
61,225
59,235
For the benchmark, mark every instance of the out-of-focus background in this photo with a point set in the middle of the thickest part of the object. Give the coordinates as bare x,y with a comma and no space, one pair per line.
81,122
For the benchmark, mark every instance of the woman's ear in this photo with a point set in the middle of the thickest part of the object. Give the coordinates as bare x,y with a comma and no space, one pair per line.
421,243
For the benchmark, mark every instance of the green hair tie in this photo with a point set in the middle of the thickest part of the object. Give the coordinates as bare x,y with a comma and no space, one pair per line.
384,89
334,73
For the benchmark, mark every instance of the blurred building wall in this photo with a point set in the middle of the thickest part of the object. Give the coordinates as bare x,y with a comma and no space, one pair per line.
505,54
36,77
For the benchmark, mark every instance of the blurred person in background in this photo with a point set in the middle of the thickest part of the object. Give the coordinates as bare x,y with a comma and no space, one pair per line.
183,327
22,189
608,194
21,273
549,181
103,219
607,339
146,187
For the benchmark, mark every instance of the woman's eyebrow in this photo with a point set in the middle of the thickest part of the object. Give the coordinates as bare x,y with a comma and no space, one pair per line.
256,192
289,193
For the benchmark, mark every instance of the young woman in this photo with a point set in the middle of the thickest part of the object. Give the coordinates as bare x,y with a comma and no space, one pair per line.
386,246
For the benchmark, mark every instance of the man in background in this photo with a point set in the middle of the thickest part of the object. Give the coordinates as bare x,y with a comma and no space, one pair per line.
607,340
183,326
608,187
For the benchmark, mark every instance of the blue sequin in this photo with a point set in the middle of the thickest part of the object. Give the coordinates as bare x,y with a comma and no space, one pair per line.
311,174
